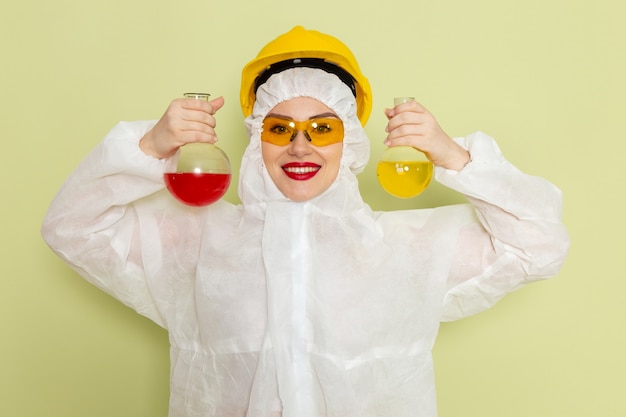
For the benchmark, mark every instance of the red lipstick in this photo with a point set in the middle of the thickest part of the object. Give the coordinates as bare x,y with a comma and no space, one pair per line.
301,171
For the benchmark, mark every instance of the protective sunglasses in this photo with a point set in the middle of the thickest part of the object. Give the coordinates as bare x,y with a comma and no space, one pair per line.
322,131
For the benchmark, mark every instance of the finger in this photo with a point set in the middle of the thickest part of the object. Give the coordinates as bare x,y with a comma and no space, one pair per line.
198,116
406,118
405,135
199,110
195,104
194,136
199,130
197,126
410,106
216,104
211,106
406,140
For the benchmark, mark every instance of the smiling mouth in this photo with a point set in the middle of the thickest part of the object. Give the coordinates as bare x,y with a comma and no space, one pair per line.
301,171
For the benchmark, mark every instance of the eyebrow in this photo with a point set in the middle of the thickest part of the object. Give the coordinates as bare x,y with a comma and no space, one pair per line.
317,116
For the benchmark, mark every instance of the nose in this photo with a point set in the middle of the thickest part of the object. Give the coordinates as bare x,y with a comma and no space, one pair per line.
300,145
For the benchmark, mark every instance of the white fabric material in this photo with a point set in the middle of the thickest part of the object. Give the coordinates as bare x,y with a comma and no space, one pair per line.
318,308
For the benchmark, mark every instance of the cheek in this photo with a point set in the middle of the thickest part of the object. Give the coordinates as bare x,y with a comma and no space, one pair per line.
269,153
332,156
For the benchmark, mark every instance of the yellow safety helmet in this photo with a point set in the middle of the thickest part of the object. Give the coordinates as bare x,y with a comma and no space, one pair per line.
303,47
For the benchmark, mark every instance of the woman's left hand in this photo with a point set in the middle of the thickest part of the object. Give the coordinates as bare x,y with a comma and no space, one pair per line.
410,124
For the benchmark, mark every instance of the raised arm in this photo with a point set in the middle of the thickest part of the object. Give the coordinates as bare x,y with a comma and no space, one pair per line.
516,236
520,237
109,216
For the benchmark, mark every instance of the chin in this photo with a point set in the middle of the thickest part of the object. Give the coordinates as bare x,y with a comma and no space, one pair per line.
300,196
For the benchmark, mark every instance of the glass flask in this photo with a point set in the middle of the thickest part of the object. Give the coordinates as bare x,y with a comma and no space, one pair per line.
203,172
404,171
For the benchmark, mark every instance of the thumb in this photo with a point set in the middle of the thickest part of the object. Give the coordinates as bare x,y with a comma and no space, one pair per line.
217,104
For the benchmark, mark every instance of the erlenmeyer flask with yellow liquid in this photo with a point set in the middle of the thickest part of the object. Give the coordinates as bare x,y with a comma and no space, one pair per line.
404,171
202,174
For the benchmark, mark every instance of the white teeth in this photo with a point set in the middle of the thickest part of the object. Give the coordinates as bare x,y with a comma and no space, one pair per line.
301,170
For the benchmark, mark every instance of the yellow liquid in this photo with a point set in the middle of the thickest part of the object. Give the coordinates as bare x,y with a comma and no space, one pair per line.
404,179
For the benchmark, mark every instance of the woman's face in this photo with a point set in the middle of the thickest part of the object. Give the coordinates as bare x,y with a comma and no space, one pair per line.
300,169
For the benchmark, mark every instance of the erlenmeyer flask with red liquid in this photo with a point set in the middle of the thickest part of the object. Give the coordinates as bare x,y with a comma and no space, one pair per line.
203,172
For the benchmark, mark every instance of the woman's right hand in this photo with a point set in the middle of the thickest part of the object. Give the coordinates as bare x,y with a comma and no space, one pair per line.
186,120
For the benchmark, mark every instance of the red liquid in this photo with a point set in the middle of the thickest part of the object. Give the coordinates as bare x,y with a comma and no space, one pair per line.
197,189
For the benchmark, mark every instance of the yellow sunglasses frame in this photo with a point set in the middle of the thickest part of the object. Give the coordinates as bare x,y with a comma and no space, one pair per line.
315,130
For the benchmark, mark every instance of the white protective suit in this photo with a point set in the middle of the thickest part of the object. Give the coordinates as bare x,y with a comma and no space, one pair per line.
303,309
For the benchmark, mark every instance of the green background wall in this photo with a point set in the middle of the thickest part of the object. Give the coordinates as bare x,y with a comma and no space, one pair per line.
544,77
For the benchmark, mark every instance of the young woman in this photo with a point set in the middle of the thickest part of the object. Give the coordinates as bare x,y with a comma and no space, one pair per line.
302,301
